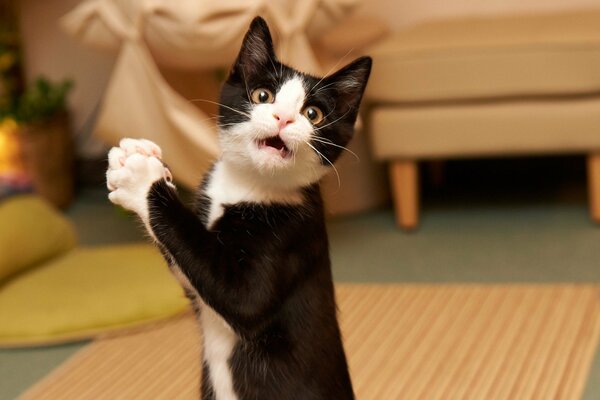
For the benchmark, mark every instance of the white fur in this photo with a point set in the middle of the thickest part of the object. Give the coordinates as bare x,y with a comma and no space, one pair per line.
240,142
245,173
133,168
230,184
290,98
248,174
219,341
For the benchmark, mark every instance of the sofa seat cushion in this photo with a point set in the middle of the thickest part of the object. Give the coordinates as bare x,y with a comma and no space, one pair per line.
485,57
543,126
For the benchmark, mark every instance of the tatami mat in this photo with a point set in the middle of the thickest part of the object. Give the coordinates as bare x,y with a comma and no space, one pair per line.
480,342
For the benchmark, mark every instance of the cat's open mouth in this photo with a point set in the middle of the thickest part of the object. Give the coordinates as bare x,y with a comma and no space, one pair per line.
274,143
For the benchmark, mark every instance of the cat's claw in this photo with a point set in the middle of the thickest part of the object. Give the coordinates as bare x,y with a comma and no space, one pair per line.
134,167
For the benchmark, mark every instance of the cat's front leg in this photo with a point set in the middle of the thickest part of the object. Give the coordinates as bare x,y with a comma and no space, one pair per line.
133,168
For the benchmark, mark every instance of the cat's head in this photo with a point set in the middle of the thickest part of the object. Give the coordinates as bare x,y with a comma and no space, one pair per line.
281,123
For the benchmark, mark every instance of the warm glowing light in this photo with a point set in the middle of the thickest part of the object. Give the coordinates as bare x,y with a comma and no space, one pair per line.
10,159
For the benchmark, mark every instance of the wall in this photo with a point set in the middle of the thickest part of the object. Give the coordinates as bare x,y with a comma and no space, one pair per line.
402,13
50,52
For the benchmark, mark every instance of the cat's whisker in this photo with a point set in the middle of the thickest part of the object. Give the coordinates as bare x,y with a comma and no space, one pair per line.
246,86
332,122
295,147
214,117
229,123
329,113
259,204
281,64
319,90
330,143
331,69
223,105
330,163
274,67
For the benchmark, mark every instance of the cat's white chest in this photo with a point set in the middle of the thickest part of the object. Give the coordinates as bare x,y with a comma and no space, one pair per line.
222,189
228,186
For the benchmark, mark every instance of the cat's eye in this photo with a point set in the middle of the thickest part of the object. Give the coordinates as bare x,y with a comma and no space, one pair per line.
262,95
313,114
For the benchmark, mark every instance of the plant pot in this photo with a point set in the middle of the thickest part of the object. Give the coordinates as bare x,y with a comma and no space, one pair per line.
47,154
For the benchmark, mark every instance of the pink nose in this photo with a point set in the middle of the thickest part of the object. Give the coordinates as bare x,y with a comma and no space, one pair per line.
283,120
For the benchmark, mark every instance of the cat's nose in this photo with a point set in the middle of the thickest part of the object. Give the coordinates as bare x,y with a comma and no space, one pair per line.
283,120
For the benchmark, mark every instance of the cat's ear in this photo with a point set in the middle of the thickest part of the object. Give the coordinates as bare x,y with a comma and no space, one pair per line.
257,50
350,83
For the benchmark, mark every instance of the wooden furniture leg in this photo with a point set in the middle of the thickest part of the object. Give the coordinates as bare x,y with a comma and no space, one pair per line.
593,170
404,176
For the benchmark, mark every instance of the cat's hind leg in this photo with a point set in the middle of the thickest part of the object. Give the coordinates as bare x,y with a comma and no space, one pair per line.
206,388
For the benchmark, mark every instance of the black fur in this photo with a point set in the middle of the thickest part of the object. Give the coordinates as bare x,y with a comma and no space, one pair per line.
260,68
266,269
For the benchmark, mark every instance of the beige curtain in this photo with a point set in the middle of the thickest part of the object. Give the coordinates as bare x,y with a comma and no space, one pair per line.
187,35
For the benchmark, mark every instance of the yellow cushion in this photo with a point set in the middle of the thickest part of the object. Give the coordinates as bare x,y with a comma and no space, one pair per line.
87,292
31,232
489,57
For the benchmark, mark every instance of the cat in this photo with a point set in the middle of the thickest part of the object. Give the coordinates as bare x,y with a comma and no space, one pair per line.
252,254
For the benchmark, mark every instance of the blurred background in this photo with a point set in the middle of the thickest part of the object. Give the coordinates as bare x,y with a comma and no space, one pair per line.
477,162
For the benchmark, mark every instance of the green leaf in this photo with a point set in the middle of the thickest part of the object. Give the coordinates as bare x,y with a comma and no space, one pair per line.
43,100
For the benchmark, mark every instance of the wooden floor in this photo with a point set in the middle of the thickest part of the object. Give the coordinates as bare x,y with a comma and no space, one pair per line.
429,342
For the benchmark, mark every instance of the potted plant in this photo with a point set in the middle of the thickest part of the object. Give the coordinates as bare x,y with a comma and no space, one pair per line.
45,139
37,114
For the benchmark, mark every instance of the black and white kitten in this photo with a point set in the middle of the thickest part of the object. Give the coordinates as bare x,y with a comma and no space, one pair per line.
252,254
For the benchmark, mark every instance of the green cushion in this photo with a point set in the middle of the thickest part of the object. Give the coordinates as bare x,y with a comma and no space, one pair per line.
31,232
87,292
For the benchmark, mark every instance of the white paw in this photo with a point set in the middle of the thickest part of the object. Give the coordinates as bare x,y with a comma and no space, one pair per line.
140,146
133,168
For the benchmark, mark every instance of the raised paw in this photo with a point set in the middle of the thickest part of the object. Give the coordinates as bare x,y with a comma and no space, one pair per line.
134,167
128,147
140,146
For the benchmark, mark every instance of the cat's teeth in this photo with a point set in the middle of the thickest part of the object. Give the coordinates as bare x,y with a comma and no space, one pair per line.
275,145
